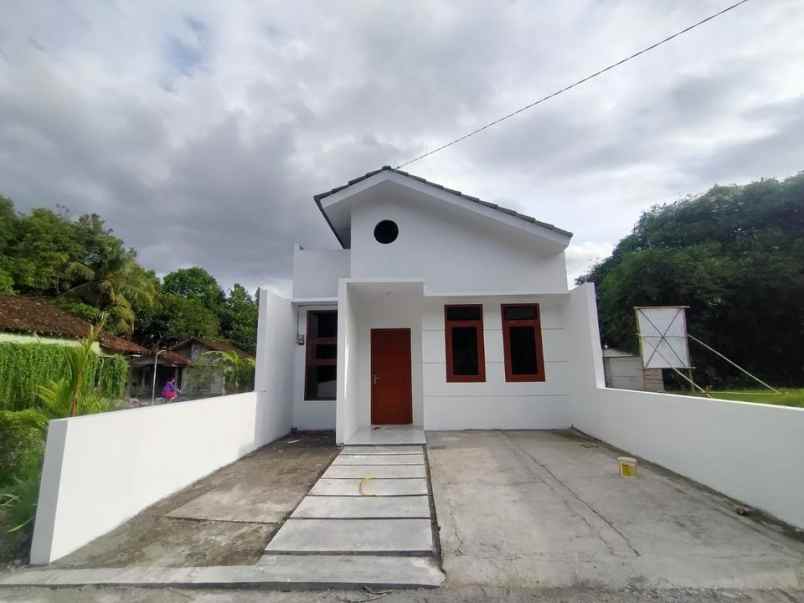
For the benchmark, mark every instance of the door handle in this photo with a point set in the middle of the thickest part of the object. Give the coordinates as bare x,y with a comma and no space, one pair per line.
374,379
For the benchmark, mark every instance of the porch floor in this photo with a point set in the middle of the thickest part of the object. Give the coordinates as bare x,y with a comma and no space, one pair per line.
381,435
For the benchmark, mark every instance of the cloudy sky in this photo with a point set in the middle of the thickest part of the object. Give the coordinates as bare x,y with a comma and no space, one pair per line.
201,130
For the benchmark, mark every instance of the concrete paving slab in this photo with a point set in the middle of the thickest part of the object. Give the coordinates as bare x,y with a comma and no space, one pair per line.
363,507
374,471
369,487
353,536
379,459
547,510
382,450
240,503
338,571
388,435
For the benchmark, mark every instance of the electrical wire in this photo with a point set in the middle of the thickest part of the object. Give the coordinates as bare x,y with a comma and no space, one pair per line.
571,86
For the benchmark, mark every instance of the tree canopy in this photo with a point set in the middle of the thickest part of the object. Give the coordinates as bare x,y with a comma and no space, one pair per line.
735,256
86,269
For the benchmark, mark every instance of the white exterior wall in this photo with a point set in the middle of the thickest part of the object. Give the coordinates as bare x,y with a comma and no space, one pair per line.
101,470
751,452
347,419
451,250
495,403
316,272
310,415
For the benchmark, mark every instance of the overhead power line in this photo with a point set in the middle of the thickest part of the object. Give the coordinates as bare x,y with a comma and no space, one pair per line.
570,86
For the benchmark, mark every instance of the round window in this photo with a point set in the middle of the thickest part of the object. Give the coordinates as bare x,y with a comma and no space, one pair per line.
386,231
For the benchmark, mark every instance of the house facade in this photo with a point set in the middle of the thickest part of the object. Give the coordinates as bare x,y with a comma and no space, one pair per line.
440,311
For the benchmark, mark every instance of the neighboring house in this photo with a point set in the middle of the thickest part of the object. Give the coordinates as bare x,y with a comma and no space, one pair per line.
167,364
206,376
35,320
439,311
624,370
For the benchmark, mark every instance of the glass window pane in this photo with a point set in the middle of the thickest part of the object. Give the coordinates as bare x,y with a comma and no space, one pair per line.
326,351
464,351
323,381
522,341
465,313
519,313
326,324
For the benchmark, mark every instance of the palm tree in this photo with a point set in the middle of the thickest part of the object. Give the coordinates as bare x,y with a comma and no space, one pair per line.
114,283
66,396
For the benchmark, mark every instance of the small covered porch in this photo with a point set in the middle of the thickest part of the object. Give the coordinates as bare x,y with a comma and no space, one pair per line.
379,371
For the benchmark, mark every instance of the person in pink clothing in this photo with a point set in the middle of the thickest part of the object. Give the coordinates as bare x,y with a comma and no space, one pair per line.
170,391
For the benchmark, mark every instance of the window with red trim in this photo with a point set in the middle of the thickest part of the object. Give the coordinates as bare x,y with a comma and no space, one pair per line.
522,342
322,357
463,326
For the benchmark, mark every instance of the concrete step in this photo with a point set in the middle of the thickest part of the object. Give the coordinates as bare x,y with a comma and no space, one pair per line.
379,459
382,450
406,536
374,471
272,571
369,487
363,507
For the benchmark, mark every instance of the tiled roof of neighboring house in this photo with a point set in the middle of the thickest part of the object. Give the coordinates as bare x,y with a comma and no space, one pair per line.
35,316
215,345
174,358
388,168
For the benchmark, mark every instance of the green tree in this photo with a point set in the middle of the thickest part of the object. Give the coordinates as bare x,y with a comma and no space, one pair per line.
735,255
195,284
239,319
109,277
174,318
43,245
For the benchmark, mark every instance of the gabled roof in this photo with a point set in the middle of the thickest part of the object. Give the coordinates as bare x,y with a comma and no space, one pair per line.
35,316
388,169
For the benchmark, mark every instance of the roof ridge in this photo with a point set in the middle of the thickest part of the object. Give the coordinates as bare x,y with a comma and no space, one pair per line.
490,205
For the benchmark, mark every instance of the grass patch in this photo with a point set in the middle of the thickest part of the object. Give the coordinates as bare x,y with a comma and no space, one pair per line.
787,396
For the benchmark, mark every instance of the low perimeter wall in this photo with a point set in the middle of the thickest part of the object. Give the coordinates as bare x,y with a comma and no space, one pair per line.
100,470
750,452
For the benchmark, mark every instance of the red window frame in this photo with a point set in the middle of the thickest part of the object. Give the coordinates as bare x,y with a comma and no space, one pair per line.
539,351
311,359
481,357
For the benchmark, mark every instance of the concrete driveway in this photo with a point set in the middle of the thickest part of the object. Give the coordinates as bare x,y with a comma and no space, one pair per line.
536,509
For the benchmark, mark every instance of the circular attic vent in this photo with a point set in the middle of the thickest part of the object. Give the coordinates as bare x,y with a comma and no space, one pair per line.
386,232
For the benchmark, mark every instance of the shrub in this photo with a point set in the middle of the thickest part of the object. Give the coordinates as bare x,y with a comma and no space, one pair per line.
26,366
21,444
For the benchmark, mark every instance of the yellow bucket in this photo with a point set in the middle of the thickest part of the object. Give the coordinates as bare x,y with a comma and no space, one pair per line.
628,466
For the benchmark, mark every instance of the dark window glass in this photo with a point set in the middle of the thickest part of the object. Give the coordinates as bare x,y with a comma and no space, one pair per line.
327,324
386,232
522,343
464,336
464,313
323,382
464,351
523,350
322,353
326,350
520,313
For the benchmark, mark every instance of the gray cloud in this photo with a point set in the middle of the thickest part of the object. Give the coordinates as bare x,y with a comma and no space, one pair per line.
201,131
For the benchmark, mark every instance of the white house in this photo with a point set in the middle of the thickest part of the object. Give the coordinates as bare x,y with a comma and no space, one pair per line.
441,311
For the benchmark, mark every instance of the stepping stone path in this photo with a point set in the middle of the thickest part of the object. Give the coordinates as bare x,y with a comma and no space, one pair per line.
371,511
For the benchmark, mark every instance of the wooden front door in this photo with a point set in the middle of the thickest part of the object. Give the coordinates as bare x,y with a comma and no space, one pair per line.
391,390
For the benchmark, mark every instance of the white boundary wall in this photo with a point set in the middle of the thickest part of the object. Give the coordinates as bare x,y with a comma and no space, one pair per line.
102,469
750,452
